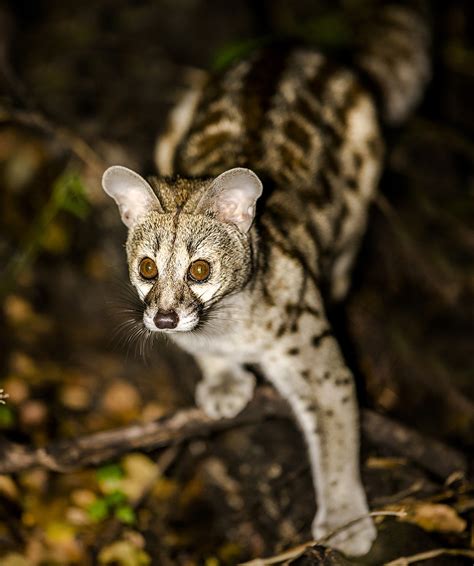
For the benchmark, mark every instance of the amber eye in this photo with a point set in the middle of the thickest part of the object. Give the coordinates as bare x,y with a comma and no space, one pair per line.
148,268
199,270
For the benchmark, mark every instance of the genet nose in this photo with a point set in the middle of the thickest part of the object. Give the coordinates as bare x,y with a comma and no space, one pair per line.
167,319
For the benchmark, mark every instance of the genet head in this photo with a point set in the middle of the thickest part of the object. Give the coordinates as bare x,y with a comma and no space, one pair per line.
188,244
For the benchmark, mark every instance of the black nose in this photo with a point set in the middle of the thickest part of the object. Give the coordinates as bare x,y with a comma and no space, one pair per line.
167,319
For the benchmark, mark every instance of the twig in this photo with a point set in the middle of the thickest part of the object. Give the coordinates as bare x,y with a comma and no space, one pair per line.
444,134
93,449
297,551
401,495
289,554
430,454
420,557
77,145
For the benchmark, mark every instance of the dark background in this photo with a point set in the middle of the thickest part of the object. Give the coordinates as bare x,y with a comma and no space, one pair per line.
90,83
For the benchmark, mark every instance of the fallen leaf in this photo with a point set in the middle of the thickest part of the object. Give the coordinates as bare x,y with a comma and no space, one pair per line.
8,487
33,413
121,400
17,390
436,517
140,471
375,463
75,396
83,497
15,559
123,552
63,546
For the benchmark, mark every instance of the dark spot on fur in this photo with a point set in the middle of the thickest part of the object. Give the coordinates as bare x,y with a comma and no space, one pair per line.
323,192
293,351
329,413
305,373
358,160
293,312
281,331
375,146
208,144
297,134
351,183
318,338
206,119
313,311
346,399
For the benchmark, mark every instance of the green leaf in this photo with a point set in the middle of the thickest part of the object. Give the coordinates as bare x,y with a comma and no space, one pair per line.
69,194
125,514
7,417
115,498
328,31
109,472
98,510
236,50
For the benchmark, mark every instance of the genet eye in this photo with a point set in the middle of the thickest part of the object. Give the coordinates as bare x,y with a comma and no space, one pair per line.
148,268
199,270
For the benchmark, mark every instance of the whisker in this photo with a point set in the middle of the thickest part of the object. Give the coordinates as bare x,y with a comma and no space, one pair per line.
130,332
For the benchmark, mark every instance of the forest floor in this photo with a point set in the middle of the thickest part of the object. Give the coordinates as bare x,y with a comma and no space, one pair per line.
105,74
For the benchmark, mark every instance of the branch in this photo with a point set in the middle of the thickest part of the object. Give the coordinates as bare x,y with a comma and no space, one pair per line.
432,455
93,449
406,560
186,424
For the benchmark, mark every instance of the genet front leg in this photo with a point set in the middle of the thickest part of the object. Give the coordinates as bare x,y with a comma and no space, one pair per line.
308,369
226,388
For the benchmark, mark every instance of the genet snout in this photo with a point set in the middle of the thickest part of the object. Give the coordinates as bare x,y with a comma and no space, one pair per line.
167,319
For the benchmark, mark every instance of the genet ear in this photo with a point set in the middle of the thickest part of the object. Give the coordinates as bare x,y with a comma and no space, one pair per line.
133,195
232,197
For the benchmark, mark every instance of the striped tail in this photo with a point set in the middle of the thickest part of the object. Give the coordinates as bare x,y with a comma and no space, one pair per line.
393,52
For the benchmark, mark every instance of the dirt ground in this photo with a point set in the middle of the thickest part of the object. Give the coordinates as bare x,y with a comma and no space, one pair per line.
90,83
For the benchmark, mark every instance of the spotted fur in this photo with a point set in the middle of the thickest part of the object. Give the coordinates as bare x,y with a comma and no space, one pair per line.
310,129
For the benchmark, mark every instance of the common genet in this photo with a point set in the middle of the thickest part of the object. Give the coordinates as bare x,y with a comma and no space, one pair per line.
266,173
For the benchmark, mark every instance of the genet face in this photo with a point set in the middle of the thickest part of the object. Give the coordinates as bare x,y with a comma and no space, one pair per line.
182,265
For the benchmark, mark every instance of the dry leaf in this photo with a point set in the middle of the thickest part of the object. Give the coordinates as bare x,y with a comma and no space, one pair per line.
436,517
8,487
375,463
124,553
15,559
139,472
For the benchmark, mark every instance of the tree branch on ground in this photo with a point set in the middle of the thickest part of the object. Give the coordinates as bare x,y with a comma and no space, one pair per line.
93,449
